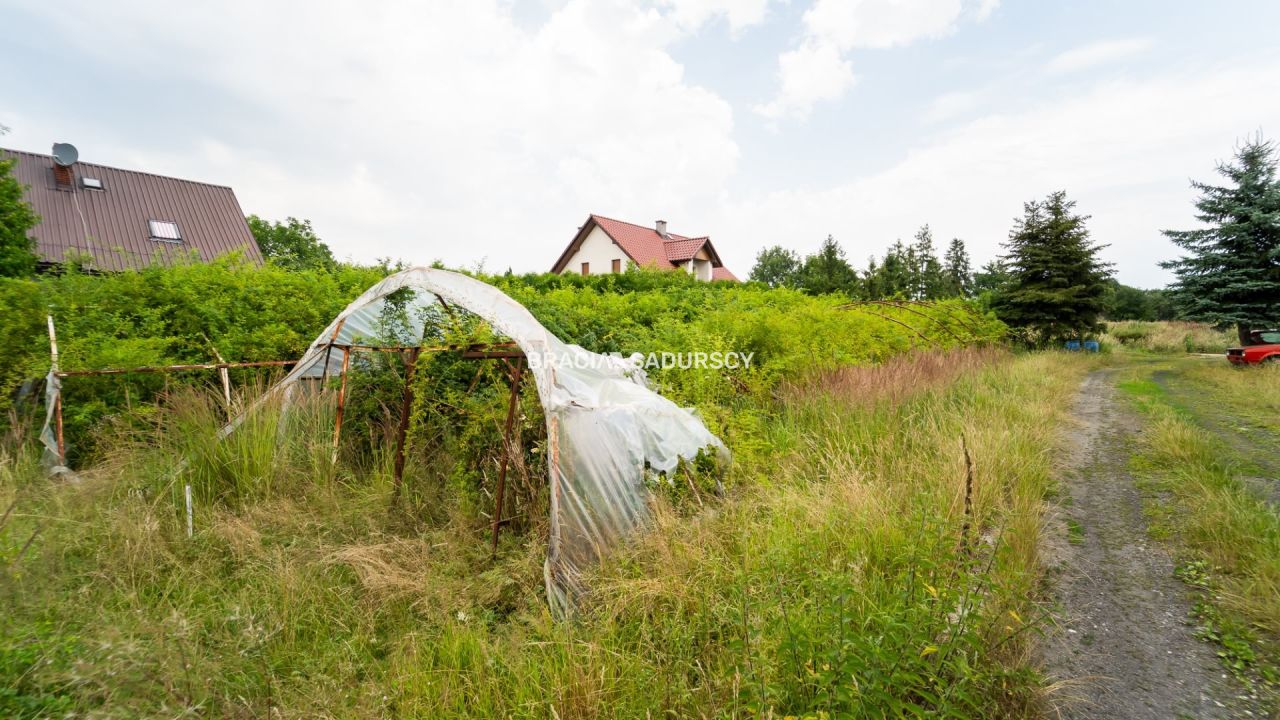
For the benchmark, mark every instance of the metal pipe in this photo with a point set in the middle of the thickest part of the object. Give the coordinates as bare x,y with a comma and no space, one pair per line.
57,401
175,368
507,449
406,404
342,398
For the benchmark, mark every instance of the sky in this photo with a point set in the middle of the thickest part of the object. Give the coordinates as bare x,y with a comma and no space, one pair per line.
482,133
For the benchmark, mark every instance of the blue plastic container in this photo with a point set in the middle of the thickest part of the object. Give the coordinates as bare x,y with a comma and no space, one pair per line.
1091,345
1073,345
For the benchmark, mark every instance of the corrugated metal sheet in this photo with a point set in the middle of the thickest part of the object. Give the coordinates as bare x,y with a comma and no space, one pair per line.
111,224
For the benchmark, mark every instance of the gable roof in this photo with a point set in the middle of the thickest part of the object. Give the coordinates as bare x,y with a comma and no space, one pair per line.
112,223
645,247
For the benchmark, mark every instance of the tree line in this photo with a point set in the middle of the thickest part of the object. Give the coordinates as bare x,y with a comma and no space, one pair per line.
1051,284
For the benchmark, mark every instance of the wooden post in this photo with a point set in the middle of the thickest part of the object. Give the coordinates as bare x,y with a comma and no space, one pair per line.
406,405
512,405
342,399
190,513
57,403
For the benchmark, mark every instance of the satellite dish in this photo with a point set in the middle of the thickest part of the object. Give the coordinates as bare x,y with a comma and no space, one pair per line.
65,154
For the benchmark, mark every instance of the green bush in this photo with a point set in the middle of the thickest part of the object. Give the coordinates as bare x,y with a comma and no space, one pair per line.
179,314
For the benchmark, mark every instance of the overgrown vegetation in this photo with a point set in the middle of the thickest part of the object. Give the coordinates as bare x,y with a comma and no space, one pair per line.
853,568
841,575
1209,453
1169,337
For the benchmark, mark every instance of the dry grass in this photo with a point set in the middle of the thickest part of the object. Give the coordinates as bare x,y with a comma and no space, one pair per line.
312,598
893,381
1170,337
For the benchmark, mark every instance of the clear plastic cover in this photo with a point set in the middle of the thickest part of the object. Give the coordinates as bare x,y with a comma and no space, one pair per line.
605,427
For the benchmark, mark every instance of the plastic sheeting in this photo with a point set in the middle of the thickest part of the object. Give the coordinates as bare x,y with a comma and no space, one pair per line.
48,437
605,427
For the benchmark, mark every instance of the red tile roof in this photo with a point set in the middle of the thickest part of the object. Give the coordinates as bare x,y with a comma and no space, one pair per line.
722,273
681,250
111,224
646,247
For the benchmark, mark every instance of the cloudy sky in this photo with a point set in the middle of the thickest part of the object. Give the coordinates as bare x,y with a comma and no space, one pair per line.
484,132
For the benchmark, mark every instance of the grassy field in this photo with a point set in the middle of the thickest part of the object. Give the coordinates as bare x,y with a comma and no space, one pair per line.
841,576
1210,456
1169,337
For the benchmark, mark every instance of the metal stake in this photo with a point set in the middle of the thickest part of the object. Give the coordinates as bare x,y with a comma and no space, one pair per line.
406,404
57,403
507,449
342,399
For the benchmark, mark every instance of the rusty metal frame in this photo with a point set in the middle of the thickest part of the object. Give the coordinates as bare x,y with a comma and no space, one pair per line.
505,351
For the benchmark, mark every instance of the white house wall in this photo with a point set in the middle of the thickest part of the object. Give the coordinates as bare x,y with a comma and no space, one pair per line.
600,251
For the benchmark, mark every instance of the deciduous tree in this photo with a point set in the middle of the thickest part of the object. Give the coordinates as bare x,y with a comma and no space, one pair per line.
17,248
291,244
776,267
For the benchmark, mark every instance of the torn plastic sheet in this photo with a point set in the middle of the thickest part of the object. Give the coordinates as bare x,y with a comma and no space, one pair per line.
605,427
48,435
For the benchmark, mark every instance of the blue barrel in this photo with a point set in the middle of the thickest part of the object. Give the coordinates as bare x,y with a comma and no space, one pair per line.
1091,345
1073,344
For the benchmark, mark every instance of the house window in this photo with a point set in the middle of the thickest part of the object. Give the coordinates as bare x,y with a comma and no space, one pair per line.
617,266
586,268
89,183
164,231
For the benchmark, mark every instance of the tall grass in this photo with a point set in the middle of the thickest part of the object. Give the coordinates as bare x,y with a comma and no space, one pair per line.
1225,525
1170,336
843,575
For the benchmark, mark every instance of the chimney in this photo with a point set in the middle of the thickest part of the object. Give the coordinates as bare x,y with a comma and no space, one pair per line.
661,227
64,156
62,175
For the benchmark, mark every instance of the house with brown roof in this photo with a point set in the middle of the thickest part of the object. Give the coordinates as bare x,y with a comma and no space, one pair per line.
126,218
604,245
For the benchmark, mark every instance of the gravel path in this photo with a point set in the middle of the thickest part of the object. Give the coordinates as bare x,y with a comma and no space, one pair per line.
1123,647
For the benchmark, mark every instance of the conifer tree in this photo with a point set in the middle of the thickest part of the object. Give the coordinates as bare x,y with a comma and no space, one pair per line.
957,276
925,270
1232,274
1057,284
827,271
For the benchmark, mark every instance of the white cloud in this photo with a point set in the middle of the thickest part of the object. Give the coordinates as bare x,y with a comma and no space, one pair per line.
739,14
834,27
950,105
985,8
1124,150
811,73
1100,53
880,23
423,130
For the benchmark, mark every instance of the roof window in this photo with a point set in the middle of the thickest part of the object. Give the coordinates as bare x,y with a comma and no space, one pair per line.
89,183
164,230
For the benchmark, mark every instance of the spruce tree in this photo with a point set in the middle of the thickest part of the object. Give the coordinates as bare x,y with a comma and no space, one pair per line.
895,272
1057,284
991,278
827,271
957,275
926,271
1232,274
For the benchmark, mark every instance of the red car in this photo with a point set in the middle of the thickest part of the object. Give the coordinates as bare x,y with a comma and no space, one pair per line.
1264,346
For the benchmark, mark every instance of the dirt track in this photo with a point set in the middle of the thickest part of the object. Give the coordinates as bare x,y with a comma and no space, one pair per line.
1123,647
